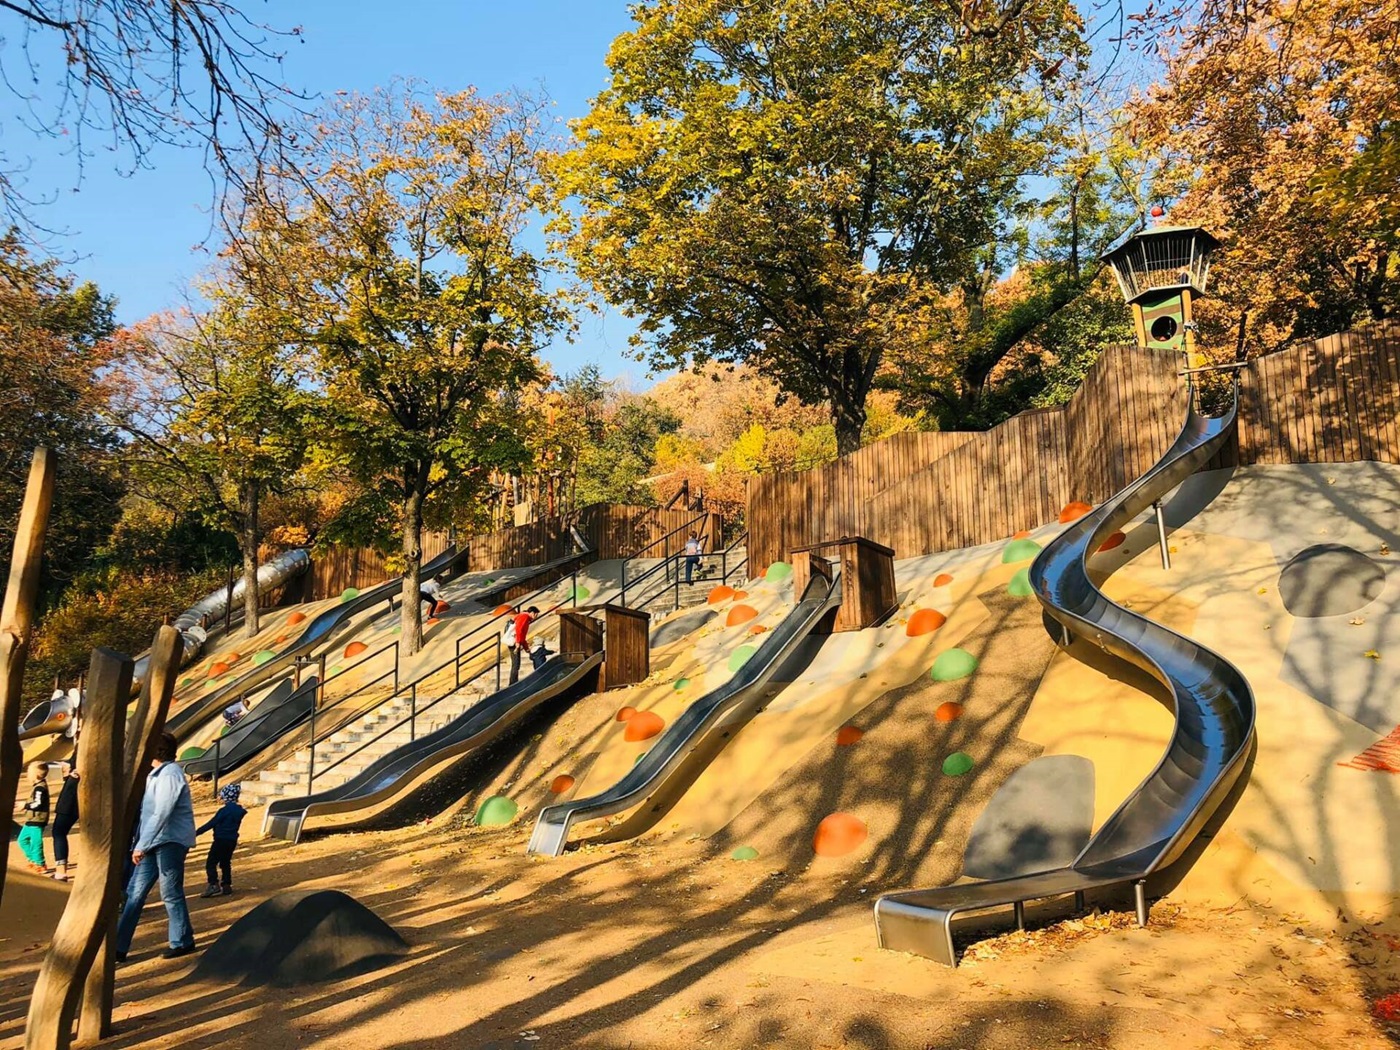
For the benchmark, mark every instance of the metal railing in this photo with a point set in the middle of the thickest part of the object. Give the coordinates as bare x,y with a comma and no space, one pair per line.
730,565
477,648
666,554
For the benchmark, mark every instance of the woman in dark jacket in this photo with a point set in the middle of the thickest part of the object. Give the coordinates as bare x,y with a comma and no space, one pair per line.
65,815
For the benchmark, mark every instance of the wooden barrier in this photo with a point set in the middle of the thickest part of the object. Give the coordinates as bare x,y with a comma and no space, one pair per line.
626,645
580,633
17,619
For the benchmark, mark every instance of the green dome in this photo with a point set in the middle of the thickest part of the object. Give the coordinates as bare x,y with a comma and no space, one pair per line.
495,811
263,656
580,594
681,683
191,753
740,656
745,853
1019,550
952,665
349,594
958,763
779,570
1020,585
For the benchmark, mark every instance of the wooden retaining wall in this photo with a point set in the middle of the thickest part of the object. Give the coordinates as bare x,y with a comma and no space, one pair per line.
614,530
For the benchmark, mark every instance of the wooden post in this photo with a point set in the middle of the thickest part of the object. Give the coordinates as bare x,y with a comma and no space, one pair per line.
94,898
16,619
867,584
579,633
627,644
146,724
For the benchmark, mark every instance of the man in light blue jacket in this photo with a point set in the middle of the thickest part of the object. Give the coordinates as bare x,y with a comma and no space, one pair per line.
164,836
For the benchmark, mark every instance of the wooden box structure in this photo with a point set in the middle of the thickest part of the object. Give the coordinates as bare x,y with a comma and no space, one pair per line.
867,580
580,633
626,644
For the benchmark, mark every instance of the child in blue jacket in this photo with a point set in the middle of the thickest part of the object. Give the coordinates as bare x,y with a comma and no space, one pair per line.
225,824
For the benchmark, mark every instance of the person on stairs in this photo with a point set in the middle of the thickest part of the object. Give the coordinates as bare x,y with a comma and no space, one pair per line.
225,824
694,547
163,838
520,639
36,818
65,815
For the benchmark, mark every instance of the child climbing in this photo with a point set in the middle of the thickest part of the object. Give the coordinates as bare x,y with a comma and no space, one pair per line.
225,824
36,817
430,591
65,815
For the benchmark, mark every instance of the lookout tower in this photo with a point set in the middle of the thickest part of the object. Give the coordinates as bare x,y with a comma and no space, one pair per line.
1159,271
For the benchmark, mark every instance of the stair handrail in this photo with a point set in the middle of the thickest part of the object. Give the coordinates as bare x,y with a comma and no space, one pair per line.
665,556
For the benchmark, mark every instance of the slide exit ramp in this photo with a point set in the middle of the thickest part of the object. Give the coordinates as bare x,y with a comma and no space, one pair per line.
408,767
1214,723
666,770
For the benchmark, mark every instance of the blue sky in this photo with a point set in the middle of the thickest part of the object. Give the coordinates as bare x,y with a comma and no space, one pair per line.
137,236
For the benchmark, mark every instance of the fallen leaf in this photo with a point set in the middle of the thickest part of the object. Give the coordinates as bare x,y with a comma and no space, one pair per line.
1371,654
1357,621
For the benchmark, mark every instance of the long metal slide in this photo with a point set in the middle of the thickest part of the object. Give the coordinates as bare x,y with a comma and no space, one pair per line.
1214,724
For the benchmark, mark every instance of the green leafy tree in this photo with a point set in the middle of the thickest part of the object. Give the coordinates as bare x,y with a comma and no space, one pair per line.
775,183
216,419
397,253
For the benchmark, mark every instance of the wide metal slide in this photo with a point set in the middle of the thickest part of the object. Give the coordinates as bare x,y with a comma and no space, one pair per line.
669,767
1214,724
406,767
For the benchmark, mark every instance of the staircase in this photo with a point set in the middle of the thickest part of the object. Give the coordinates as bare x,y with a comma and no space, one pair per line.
288,777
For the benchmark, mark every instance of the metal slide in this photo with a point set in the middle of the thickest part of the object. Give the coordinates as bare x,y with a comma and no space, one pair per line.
1214,724
280,711
320,628
687,745
393,775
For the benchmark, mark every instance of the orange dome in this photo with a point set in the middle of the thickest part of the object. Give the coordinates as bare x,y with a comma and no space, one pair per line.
643,726
232,658
757,628
740,614
839,834
740,595
942,580
355,649
848,735
924,621
218,669
721,593
948,712
501,610
295,618
1073,511
1021,535
561,784
625,714
1116,540
431,623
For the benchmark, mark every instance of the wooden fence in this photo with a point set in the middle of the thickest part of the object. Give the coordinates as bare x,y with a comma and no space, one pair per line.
921,493
614,530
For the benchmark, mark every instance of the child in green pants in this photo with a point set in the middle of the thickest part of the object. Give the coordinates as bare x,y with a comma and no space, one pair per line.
36,817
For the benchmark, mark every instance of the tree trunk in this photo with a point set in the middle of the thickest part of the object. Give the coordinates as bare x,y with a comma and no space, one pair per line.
848,417
411,633
250,540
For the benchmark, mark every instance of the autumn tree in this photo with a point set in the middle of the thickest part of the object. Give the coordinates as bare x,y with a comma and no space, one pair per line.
55,353
138,74
772,183
216,420
397,251
1276,123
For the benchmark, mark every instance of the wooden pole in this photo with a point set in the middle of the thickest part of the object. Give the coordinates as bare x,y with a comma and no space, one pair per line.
54,1004
16,619
146,724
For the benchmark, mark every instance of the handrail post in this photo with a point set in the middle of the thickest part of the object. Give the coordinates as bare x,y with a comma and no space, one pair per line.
218,740
311,759
321,681
498,663
412,710
396,666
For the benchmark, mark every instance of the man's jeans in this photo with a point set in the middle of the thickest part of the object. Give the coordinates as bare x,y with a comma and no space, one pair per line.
691,560
166,862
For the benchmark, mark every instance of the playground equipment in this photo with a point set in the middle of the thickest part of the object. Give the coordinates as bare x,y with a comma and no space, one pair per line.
284,708
321,628
664,772
412,764
1158,271
1214,726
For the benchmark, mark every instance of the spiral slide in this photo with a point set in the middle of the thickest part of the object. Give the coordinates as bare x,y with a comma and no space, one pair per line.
1214,725
663,774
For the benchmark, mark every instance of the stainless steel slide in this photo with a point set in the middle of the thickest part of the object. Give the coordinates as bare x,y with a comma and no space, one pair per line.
687,745
281,710
1210,743
406,768
320,628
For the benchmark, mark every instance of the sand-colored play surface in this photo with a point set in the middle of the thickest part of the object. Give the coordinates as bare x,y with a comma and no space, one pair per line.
743,918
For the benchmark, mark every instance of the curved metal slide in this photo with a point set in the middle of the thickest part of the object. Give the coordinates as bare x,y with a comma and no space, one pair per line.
688,744
392,776
320,628
1214,724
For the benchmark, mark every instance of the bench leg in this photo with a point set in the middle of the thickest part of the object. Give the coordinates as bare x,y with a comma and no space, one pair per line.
1020,915
1140,897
